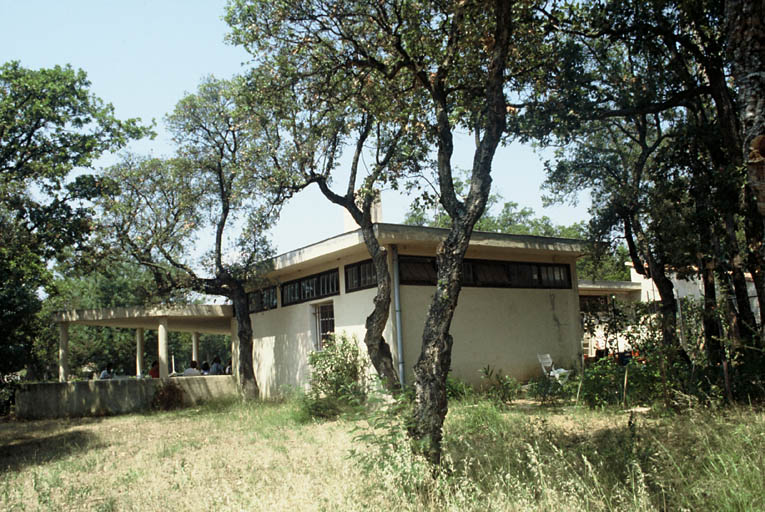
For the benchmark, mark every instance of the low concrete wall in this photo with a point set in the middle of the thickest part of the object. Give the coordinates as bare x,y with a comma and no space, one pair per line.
107,397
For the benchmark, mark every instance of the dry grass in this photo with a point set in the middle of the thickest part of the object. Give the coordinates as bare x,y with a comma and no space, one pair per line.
222,458
261,457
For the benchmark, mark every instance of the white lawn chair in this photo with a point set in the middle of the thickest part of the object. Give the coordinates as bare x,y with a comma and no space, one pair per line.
559,374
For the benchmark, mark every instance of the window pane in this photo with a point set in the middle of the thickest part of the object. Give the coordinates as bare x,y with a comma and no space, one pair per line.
351,277
368,274
418,271
491,274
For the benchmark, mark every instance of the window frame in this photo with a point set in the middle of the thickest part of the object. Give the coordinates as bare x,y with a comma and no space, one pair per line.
538,274
358,267
304,283
320,337
258,303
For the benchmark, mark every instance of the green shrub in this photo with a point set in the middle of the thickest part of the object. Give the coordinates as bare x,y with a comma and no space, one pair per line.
167,397
498,387
603,383
7,395
338,378
457,389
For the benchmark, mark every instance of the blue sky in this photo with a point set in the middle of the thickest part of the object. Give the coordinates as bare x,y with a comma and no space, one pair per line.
142,56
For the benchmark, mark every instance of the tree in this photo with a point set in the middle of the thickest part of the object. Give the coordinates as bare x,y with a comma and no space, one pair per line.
681,47
319,132
746,53
449,64
220,181
50,125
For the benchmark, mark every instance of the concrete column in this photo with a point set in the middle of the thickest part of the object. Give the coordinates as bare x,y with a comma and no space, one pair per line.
139,351
162,345
234,348
63,352
195,346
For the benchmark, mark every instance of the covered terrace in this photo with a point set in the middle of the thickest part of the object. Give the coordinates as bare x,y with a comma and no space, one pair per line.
196,319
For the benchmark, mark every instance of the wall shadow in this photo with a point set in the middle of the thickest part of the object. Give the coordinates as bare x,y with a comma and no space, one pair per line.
32,450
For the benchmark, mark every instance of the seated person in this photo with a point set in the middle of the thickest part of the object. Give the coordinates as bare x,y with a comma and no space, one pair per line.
108,372
217,368
205,368
192,370
154,371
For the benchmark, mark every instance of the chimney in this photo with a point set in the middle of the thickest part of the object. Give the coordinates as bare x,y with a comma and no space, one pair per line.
350,225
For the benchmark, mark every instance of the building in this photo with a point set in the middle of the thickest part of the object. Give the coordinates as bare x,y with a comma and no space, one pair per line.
596,299
519,298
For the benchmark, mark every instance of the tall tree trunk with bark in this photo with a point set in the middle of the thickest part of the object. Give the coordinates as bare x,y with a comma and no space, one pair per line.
746,51
434,362
748,325
712,334
246,381
377,348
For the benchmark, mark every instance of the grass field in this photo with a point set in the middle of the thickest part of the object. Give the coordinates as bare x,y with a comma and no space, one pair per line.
232,456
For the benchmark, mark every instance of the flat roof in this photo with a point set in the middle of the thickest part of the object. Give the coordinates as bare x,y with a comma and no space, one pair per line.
607,287
388,234
203,318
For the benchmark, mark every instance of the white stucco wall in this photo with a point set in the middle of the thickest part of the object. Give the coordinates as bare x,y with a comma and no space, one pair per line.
283,338
502,327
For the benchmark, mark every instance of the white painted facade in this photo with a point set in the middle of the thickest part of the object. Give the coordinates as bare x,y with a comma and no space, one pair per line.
502,327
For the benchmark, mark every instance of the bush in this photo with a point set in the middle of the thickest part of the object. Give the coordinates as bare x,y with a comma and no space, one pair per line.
338,378
498,387
603,383
167,397
457,389
7,395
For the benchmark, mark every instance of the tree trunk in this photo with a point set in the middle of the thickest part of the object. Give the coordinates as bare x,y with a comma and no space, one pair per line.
712,334
435,358
433,365
246,382
748,324
377,348
746,52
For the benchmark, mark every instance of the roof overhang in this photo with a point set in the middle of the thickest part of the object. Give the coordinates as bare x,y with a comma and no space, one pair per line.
588,287
422,238
211,319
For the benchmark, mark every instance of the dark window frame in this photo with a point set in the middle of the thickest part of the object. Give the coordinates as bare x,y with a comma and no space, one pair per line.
520,274
358,268
259,300
312,285
402,260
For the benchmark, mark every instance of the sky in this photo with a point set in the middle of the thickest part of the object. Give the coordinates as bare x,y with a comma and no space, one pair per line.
143,56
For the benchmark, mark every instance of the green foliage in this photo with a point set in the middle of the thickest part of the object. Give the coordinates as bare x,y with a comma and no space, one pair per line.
167,397
500,388
8,387
338,377
49,125
603,383
457,389
548,390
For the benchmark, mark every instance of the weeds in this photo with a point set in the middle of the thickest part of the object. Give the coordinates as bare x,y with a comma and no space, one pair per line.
257,456
499,387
